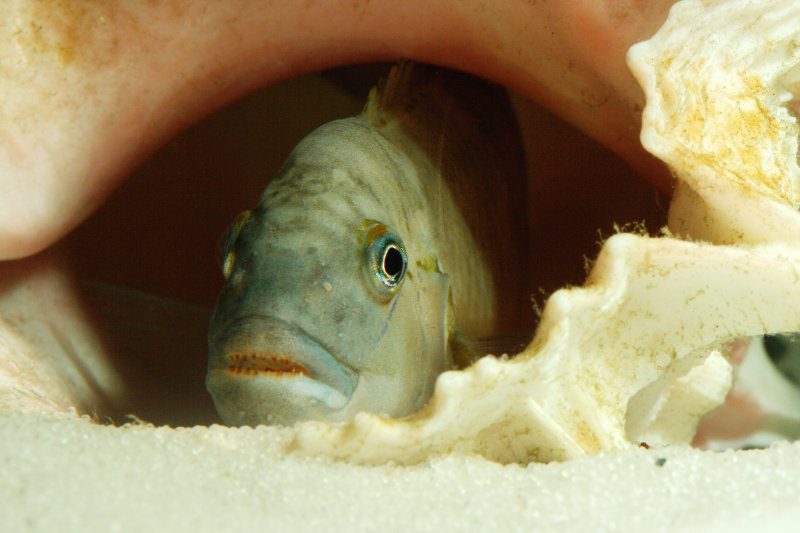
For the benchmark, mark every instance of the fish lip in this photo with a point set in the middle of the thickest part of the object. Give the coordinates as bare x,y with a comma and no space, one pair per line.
261,363
264,347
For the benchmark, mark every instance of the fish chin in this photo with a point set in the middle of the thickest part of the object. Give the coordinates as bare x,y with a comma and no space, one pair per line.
263,370
273,400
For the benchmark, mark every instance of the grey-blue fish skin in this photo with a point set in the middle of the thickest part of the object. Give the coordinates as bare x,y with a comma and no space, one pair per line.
349,282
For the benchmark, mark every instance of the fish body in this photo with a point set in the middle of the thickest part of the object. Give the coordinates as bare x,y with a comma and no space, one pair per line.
377,247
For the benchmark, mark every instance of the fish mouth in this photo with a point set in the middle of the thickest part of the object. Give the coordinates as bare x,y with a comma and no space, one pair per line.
254,364
264,370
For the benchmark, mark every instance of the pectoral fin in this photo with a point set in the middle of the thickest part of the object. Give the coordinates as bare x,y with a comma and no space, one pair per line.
467,350
160,348
440,324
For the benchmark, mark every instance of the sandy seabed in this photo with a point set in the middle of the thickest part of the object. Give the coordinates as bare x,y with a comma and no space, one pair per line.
74,475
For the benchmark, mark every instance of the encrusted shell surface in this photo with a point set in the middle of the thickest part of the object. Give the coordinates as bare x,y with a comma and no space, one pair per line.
719,79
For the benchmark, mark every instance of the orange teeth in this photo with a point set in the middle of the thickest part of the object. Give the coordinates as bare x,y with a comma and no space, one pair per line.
253,364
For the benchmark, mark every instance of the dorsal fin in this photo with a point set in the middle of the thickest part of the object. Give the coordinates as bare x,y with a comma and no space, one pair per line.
386,95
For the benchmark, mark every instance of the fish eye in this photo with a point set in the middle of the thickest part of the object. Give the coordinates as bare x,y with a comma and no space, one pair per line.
225,253
386,258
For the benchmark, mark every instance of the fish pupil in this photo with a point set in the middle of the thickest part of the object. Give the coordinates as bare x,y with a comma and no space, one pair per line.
393,262
385,260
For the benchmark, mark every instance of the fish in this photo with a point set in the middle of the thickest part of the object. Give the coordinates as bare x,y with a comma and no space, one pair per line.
386,247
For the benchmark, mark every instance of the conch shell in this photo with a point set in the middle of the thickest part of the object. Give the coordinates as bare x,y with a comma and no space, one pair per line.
639,354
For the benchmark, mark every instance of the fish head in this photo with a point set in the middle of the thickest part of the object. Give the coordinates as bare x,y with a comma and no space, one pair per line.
329,307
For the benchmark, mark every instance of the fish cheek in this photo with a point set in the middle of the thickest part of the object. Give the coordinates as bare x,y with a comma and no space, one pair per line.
412,349
338,314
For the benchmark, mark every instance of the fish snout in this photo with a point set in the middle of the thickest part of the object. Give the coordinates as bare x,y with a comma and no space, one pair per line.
264,370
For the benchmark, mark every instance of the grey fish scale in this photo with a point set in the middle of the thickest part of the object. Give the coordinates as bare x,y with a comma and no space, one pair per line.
304,328
310,185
